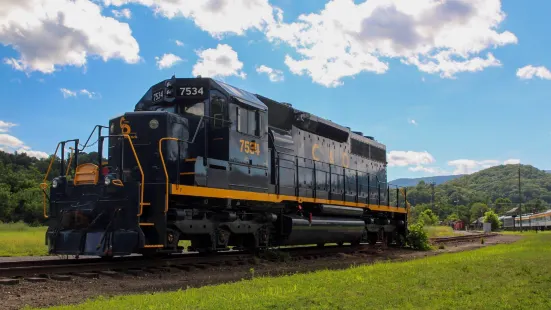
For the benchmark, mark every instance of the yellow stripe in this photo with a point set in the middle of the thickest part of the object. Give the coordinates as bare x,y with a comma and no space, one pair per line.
149,246
197,191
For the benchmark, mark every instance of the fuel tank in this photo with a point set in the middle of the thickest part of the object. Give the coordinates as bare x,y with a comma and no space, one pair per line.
305,230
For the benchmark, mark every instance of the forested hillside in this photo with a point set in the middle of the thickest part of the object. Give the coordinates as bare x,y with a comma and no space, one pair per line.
407,182
495,188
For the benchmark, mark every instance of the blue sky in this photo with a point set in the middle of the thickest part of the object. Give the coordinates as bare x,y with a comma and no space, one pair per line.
449,86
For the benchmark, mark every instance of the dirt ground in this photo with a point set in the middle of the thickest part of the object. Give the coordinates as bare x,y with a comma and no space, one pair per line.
78,289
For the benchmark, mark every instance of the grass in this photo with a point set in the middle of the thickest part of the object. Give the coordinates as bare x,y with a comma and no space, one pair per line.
509,276
439,231
19,239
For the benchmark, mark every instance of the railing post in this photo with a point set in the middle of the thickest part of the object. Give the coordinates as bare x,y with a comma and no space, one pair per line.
387,194
278,171
62,163
397,196
368,188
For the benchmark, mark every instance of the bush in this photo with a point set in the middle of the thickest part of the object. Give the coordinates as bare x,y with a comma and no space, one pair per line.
417,238
491,217
428,218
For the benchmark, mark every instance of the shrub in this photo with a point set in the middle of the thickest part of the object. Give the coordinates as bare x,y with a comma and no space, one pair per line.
491,217
428,218
417,238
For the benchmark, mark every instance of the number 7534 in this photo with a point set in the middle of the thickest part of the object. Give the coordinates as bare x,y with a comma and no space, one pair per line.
250,147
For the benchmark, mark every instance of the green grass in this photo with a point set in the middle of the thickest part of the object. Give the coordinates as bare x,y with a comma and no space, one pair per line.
509,276
19,239
439,231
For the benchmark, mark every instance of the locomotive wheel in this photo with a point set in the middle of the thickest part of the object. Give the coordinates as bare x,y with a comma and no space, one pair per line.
372,238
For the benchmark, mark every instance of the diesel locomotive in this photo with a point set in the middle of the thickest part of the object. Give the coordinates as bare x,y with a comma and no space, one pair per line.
204,161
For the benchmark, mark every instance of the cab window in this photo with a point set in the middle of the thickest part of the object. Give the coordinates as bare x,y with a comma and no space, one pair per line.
248,121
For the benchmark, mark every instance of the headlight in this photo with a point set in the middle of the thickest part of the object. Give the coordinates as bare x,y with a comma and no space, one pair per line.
55,183
153,124
107,180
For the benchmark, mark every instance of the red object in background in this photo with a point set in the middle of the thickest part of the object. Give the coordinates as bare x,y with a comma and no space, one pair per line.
105,171
458,225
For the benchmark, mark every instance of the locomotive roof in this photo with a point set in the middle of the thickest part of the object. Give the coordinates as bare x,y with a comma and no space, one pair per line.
236,93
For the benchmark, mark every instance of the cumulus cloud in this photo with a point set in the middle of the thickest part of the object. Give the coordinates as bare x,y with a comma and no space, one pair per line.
467,166
179,43
9,143
124,13
217,17
529,72
5,126
431,170
218,62
512,161
52,33
67,93
273,74
167,61
409,158
438,37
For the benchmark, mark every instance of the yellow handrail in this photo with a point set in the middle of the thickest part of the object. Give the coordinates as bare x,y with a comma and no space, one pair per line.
141,172
164,167
44,185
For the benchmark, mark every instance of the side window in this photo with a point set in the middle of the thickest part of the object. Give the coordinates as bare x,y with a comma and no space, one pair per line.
248,121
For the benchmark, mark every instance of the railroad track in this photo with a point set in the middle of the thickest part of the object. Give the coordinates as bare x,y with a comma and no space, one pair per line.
63,269
462,238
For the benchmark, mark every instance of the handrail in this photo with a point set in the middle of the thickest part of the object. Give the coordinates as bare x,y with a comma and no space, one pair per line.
164,165
141,172
44,185
70,161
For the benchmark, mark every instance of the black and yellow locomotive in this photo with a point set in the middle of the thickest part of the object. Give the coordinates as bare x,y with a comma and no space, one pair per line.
203,161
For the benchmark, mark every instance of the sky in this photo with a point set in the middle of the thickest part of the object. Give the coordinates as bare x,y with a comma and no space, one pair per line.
449,86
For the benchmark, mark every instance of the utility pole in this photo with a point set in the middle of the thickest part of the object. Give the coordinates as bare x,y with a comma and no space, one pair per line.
432,194
519,198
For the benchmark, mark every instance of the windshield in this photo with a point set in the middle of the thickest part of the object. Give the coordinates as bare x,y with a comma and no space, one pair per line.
197,108
170,109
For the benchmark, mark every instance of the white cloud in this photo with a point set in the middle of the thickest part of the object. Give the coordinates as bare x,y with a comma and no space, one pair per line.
90,94
220,61
439,37
52,33
31,153
431,170
409,158
124,13
179,43
217,17
5,126
273,74
167,61
467,166
512,161
529,72
9,143
413,122
68,93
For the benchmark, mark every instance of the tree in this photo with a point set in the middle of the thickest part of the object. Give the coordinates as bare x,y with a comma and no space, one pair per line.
428,218
478,209
491,217
502,205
